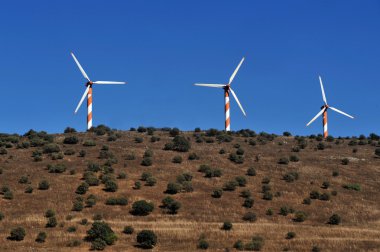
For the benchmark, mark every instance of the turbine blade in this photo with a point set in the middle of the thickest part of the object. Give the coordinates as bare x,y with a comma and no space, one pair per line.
236,70
315,117
109,82
238,102
210,85
81,100
323,90
80,67
341,112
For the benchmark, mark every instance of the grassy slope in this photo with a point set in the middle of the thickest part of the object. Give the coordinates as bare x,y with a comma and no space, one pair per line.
200,213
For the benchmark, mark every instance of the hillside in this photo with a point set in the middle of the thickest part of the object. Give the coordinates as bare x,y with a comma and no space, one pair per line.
348,165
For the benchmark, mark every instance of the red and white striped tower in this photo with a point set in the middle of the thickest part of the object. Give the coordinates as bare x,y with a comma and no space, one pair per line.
325,131
89,107
227,108
323,112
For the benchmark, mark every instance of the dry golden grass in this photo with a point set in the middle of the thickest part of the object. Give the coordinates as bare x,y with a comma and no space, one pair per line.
200,213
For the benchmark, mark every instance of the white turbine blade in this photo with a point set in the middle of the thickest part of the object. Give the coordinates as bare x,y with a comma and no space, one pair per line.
237,100
81,100
341,112
236,70
109,82
80,67
210,85
323,90
315,117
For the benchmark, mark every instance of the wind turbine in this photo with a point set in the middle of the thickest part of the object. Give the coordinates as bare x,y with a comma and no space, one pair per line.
324,108
88,92
227,88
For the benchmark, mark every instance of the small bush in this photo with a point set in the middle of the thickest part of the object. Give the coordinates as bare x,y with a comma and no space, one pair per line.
128,230
238,159
142,208
77,206
325,184
52,222
269,212
256,244
147,161
69,152
137,185
193,156
239,245
17,234
28,189
51,148
230,185
71,229
110,186
173,188
71,140
321,146
202,244
241,181
43,185
314,195
345,161
283,160
355,187
335,173
56,168
324,196
101,232
41,237
82,188
177,159
89,143
291,176
227,225
306,201
334,219
294,158
300,216
8,195
23,180
146,239
251,171
249,216
49,213
120,201
290,235
1,216
246,194
217,193
248,203
267,195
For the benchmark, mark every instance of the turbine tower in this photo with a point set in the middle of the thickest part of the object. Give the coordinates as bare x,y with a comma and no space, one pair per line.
324,108
88,92
227,88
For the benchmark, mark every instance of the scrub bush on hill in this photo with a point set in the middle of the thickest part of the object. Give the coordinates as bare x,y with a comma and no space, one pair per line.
71,140
146,239
69,130
56,168
142,208
17,234
101,235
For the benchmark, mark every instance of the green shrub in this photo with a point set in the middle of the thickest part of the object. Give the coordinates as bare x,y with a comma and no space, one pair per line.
142,208
294,158
239,245
128,230
251,171
193,156
23,180
56,168
222,151
101,233
269,212
49,213
290,235
3,151
246,194
120,201
71,140
177,159
110,186
242,181
174,132
325,184
230,185
91,200
1,216
335,173
334,219
74,243
291,176
345,161
355,187
237,159
89,143
213,172
51,148
324,196
180,143
137,185
8,195
306,201
69,130
41,237
151,181
122,175
43,185
17,234
217,193
315,249
69,152
249,216
256,243
146,239
265,188
28,189
82,153
283,160
52,222
227,225
173,188
147,161
321,146
300,216
77,206
71,229
82,188
248,203
314,195
202,244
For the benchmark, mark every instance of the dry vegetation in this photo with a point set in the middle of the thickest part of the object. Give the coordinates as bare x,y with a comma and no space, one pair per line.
200,214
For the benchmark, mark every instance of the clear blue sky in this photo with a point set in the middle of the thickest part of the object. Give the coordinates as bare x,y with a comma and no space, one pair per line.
162,47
